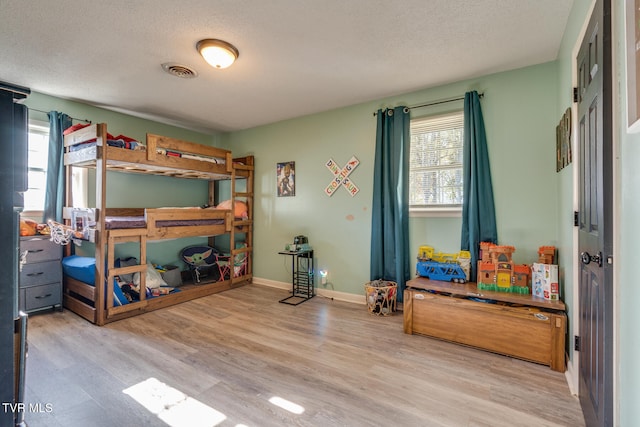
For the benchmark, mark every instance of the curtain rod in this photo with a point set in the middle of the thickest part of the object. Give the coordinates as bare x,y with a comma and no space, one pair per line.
444,101
72,118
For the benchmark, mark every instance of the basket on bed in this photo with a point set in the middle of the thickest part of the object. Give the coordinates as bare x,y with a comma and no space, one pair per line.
201,261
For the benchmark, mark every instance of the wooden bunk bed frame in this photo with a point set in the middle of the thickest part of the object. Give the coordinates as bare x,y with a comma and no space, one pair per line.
96,303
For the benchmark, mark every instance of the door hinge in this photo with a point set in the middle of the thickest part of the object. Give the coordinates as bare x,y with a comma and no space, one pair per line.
576,343
575,94
576,219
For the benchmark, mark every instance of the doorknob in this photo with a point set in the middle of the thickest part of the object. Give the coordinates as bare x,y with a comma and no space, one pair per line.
586,258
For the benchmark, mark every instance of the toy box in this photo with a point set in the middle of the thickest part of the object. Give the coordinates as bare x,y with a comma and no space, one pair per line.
544,281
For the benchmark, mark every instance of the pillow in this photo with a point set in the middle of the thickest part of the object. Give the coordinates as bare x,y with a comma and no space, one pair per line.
240,208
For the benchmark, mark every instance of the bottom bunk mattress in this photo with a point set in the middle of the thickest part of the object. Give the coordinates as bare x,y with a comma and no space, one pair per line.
83,269
121,222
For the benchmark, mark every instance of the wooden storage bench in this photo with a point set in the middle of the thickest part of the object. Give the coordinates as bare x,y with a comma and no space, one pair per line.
519,326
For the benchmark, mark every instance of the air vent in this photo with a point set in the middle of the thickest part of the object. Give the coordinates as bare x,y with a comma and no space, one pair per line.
179,70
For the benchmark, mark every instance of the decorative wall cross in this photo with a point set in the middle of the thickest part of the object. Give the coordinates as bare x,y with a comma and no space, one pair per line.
341,177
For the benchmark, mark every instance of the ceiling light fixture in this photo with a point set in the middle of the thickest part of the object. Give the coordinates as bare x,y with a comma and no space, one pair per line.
218,53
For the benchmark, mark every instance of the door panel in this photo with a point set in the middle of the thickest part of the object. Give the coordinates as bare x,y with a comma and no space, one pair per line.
595,219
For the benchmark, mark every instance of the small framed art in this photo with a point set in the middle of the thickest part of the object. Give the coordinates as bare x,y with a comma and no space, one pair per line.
285,179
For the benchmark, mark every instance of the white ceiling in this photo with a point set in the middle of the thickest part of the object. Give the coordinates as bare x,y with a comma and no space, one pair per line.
297,57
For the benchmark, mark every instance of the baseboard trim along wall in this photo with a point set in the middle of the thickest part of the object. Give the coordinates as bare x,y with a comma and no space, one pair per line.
327,293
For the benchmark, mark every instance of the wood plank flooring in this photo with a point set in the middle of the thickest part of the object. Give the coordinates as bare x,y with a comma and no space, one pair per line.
227,355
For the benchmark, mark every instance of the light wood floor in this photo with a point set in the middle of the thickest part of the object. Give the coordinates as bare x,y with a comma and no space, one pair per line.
233,352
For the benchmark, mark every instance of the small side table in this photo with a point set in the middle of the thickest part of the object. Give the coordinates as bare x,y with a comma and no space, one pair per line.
302,277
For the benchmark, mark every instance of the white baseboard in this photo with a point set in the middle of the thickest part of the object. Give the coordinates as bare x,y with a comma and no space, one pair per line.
327,293
572,377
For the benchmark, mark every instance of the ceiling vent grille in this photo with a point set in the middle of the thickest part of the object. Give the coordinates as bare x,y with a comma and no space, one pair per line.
178,70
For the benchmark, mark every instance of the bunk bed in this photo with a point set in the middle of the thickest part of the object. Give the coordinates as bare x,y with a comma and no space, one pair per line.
92,290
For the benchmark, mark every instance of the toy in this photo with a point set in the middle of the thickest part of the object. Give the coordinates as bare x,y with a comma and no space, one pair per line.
497,271
546,254
545,281
445,271
443,266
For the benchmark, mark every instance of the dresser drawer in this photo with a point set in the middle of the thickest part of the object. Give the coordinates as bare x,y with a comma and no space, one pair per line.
40,273
39,249
42,296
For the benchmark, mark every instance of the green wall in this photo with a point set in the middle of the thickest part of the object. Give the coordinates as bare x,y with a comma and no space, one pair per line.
627,175
520,117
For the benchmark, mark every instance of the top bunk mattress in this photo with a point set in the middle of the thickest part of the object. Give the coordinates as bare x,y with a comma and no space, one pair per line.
159,156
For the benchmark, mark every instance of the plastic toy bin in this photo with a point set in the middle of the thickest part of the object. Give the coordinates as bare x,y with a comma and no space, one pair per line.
381,297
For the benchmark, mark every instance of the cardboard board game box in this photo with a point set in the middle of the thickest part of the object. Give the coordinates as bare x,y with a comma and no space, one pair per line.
544,281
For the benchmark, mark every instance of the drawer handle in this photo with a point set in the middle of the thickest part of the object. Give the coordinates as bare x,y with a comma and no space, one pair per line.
35,274
43,296
33,251
541,316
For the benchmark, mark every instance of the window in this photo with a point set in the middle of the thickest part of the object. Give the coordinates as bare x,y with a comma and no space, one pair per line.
38,157
435,167
37,174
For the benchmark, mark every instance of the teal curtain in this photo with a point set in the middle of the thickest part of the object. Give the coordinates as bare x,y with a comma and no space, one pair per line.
54,190
478,211
390,208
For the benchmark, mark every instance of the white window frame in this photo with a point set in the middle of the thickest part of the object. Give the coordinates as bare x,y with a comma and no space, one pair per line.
455,210
38,127
79,176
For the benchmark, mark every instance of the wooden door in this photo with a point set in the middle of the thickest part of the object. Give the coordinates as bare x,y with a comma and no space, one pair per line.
595,219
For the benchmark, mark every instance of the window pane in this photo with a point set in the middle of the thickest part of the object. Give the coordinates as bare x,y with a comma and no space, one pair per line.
37,175
38,150
435,169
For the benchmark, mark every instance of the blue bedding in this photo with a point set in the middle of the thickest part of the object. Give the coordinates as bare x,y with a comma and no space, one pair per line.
83,269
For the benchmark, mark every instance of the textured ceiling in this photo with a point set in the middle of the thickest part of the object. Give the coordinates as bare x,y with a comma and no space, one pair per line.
297,57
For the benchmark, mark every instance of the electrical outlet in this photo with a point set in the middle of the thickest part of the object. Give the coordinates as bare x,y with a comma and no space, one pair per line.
323,277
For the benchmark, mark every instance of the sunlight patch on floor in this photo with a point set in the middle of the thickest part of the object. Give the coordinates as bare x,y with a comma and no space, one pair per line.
287,405
172,406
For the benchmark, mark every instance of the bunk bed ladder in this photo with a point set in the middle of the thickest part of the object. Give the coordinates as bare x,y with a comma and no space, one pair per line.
242,257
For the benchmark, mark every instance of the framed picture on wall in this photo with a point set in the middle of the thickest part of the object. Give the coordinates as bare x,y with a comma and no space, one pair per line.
633,64
286,179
